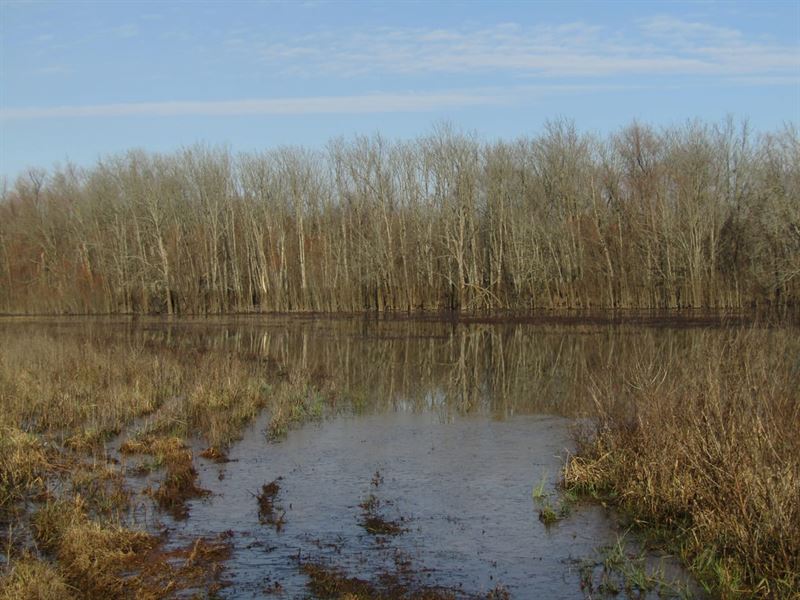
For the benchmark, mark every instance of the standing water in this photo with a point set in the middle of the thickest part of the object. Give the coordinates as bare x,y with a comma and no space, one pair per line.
432,470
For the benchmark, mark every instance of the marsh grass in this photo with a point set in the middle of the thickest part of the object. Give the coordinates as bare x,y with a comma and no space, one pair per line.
35,579
698,444
86,555
215,454
552,507
630,570
179,483
702,452
24,463
105,559
82,392
76,390
93,556
101,486
295,400
67,404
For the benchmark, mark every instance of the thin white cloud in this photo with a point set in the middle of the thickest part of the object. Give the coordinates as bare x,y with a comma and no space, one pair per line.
354,104
680,31
656,46
367,103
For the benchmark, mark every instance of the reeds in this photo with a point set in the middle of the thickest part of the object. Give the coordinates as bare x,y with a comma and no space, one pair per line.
703,451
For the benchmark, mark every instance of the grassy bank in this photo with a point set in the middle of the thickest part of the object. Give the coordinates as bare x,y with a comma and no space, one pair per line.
703,453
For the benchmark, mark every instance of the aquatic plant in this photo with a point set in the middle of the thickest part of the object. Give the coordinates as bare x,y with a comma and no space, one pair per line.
628,568
267,509
551,512
326,581
705,457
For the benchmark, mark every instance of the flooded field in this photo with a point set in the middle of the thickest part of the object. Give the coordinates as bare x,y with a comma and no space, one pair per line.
424,460
459,493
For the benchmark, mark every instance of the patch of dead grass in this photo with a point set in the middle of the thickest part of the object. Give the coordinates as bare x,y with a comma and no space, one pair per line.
33,579
704,451
24,463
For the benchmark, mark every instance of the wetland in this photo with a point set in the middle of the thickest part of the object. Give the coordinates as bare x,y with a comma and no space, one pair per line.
357,456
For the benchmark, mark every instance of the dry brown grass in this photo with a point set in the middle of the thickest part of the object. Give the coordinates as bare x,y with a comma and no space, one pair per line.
703,449
104,559
102,486
179,485
62,400
92,556
23,467
34,579
84,391
180,477
152,445
295,400
78,390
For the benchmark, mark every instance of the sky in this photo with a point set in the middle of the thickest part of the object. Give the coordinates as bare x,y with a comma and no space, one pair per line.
83,80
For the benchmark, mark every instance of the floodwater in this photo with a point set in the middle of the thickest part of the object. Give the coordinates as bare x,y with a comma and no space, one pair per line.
447,426
460,488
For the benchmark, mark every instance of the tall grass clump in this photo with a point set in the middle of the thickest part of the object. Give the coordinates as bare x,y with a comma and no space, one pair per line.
702,449
30,578
93,556
23,463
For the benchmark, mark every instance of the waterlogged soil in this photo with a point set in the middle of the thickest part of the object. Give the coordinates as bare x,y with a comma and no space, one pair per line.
422,478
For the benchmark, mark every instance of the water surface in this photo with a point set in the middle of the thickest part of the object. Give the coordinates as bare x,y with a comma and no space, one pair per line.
448,425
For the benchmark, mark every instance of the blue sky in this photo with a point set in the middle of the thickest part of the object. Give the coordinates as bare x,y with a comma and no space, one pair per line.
82,80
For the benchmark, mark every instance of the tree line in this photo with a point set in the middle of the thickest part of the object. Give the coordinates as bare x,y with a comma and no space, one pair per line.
696,215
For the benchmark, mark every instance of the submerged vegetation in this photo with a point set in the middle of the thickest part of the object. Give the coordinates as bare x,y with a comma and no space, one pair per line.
705,456
267,509
329,582
690,216
618,572
179,483
372,520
